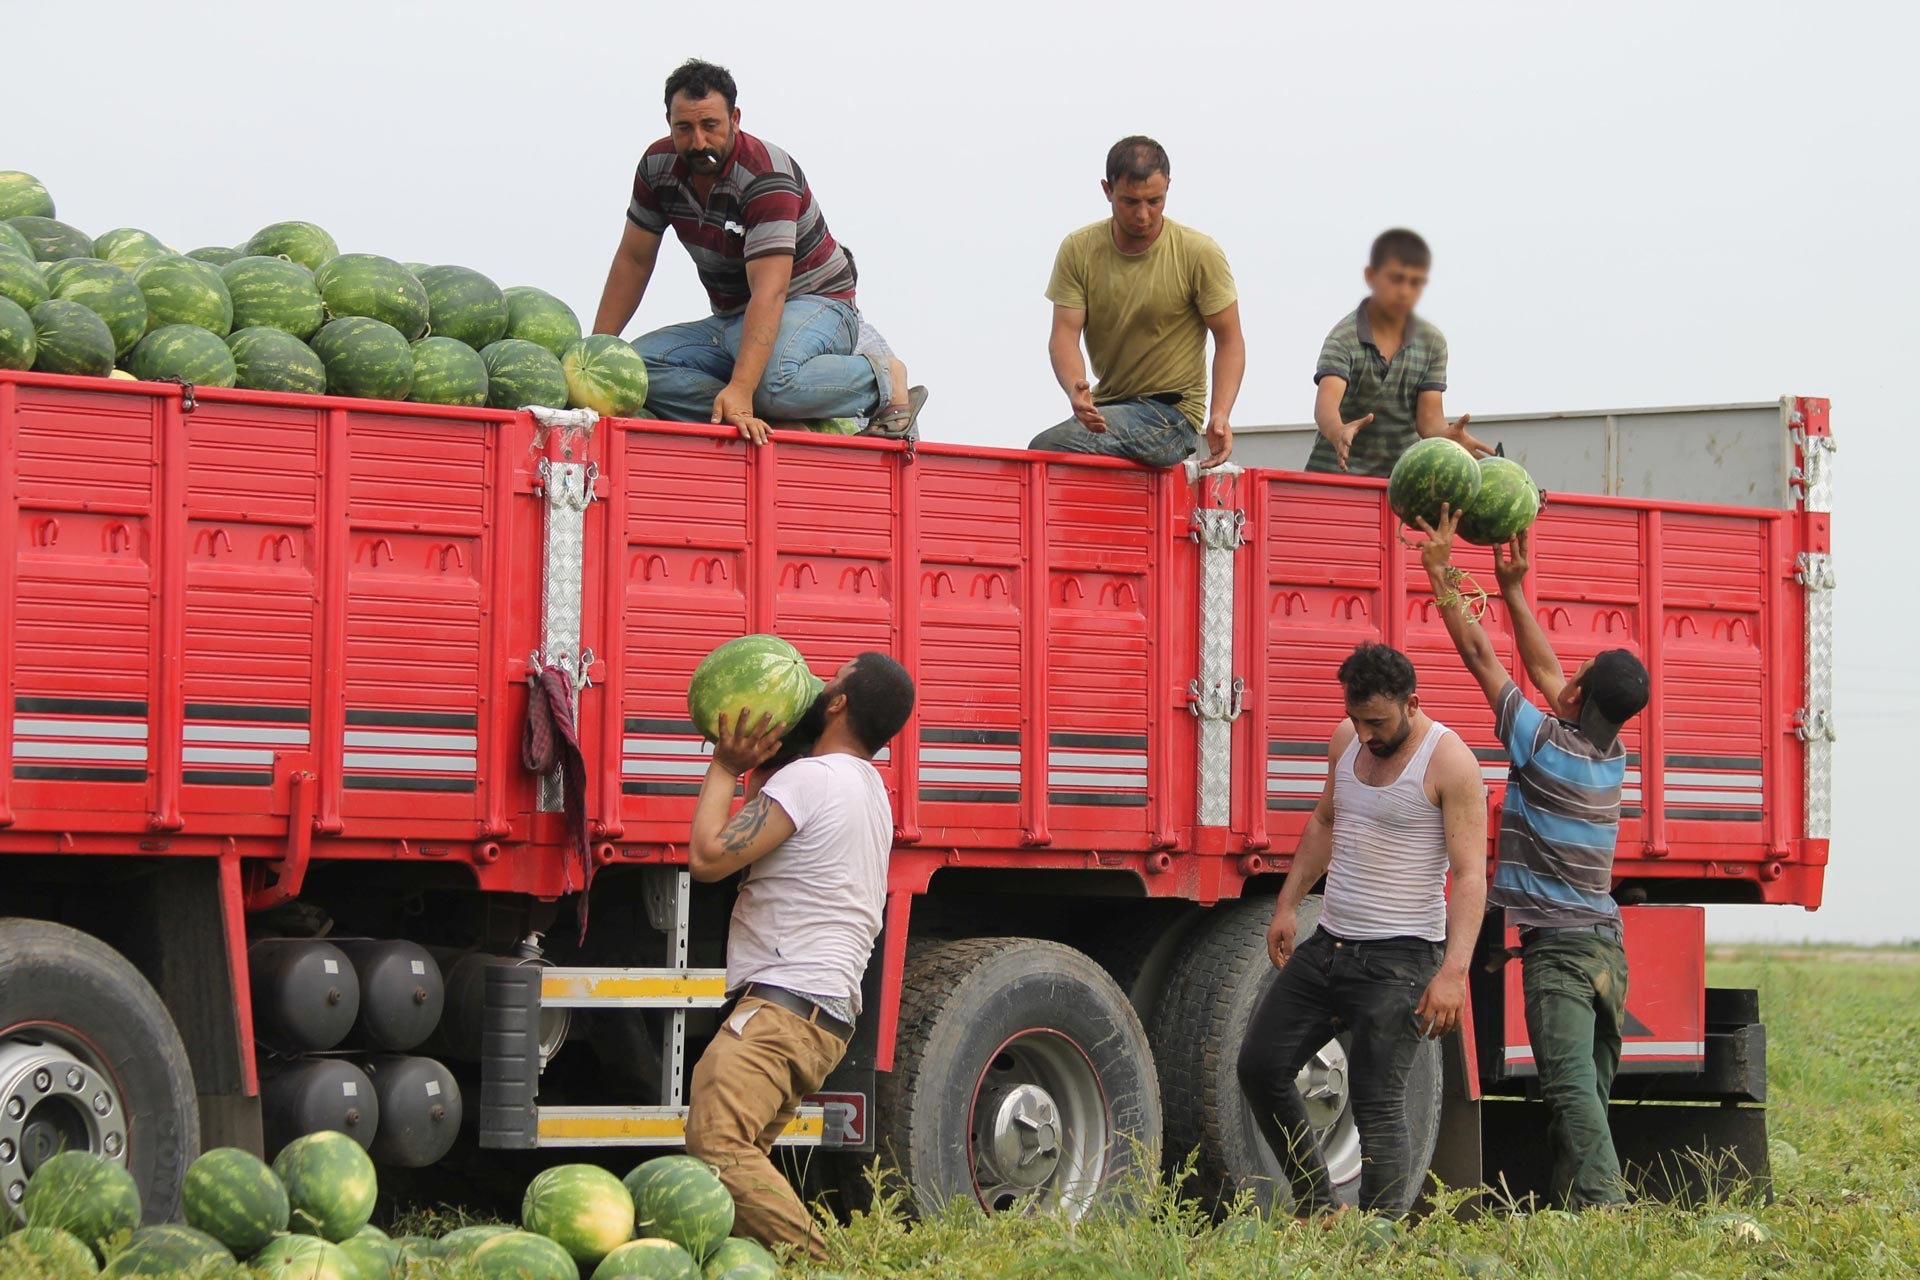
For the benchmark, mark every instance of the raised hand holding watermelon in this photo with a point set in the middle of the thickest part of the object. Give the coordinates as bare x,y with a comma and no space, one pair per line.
745,744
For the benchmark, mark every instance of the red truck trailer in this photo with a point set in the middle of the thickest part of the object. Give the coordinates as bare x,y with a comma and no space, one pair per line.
264,821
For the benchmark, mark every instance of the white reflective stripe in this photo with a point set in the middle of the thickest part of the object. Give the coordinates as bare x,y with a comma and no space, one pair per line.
664,746
1633,1049
225,755
1097,760
1632,776
1111,781
885,754
78,751
80,728
1315,767
1743,781
1630,795
1010,776
970,755
1295,786
1493,772
417,741
245,733
437,764
1731,799
664,768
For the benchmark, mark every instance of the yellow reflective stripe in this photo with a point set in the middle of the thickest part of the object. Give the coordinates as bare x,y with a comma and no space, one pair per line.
810,1123
575,986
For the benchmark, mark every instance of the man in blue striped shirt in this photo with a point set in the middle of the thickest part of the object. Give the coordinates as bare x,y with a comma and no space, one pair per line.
1554,877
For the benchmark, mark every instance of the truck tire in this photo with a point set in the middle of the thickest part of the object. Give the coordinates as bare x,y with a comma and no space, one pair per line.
1022,1076
1201,1020
90,1058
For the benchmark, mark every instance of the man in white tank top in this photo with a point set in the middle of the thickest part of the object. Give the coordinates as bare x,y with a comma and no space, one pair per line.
1404,805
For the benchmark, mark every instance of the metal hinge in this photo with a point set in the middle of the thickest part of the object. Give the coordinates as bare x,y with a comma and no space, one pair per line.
1218,701
1226,530
576,668
1814,571
1811,471
1814,724
569,487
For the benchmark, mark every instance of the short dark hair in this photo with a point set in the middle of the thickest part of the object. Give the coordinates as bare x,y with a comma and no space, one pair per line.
1401,245
879,699
1378,670
697,79
1616,685
1137,158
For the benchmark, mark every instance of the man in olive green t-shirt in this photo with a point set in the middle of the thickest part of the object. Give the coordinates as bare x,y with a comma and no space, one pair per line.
1146,292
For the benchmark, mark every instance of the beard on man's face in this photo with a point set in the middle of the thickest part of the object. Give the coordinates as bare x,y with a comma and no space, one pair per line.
798,741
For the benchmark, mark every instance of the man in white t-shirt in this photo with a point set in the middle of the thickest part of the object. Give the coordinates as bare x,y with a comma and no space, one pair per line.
814,840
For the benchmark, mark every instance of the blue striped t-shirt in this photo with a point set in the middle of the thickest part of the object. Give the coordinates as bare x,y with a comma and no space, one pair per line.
1559,821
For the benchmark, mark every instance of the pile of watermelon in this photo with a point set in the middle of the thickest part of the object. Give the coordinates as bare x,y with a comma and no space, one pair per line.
308,1217
1496,497
287,311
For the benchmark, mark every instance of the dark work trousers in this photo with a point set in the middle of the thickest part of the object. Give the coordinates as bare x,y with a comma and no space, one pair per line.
1330,986
1575,983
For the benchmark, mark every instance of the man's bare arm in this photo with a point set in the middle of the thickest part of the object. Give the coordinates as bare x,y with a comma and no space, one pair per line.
719,845
1476,648
1331,389
1229,369
767,281
626,279
1510,565
1310,859
1430,419
1463,808
1070,366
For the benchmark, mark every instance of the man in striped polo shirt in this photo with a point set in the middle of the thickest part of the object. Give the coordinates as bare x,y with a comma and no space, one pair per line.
1554,878
783,342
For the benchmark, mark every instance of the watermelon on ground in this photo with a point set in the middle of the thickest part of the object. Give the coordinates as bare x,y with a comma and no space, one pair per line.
740,1259
168,1251
274,360
234,1197
305,1258
274,292
12,239
465,305
1434,472
17,341
71,340
605,375
366,284
106,290
365,358
182,290
520,373
651,1259
522,1255
305,243
183,353
52,239
128,247
679,1198
459,1244
534,315
23,195
21,280
216,255
330,1184
373,1252
764,675
82,1193
58,1253
1506,505
448,371
582,1208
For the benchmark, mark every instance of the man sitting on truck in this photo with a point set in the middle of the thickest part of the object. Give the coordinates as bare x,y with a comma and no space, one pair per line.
1146,291
780,346
1382,370
814,839
1403,804
1554,878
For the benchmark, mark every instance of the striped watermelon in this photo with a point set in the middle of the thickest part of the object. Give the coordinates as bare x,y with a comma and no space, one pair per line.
465,305
128,247
82,1193
169,1251
276,293
373,1251
605,375
652,1259
365,358
679,1198
71,340
520,373
740,1259
522,1255
534,315
763,674
582,1208
1433,472
1507,503
106,290
305,1258
216,255
21,280
234,1197
834,426
183,353
458,1245
58,1254
273,360
17,341
11,239
366,284
448,371
181,290
23,195
330,1184
303,242
52,239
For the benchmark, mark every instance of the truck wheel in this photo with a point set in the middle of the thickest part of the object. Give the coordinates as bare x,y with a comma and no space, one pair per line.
90,1061
1022,1078
1201,1020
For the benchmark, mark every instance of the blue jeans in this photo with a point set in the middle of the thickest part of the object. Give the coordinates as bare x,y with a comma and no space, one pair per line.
811,373
1141,429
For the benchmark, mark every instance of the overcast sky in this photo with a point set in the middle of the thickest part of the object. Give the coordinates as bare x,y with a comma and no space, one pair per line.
1639,204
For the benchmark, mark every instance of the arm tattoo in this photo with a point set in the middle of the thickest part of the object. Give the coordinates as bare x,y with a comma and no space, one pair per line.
745,826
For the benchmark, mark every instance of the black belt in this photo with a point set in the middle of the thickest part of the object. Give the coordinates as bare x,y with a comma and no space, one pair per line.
1605,929
798,1005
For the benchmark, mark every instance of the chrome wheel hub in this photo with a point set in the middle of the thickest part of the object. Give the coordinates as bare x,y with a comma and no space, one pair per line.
53,1098
1039,1130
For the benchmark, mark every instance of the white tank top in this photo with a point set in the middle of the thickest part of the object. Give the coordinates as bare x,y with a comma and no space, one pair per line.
1389,871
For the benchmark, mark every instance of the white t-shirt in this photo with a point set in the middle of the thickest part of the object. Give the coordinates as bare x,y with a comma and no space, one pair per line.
809,911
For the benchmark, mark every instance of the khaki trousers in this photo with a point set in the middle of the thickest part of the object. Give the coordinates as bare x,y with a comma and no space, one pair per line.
746,1088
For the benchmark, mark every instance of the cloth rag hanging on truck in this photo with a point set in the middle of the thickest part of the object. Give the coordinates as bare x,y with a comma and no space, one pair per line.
551,740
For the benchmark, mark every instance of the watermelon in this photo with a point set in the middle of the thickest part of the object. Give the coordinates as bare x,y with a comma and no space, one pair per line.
365,357
183,290
521,1255
275,293
763,674
128,247
582,1208
373,1252
448,371
107,291
121,375
653,1259
52,239
17,341
519,373
464,304
679,1198
305,1258
1506,505
59,1254
1432,472
183,353
12,239
216,255
605,375
71,339
1483,1266
416,267
834,426
534,315
234,1197
23,196
303,242
366,284
21,280
740,1259
168,1251
330,1184
459,1244
273,360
